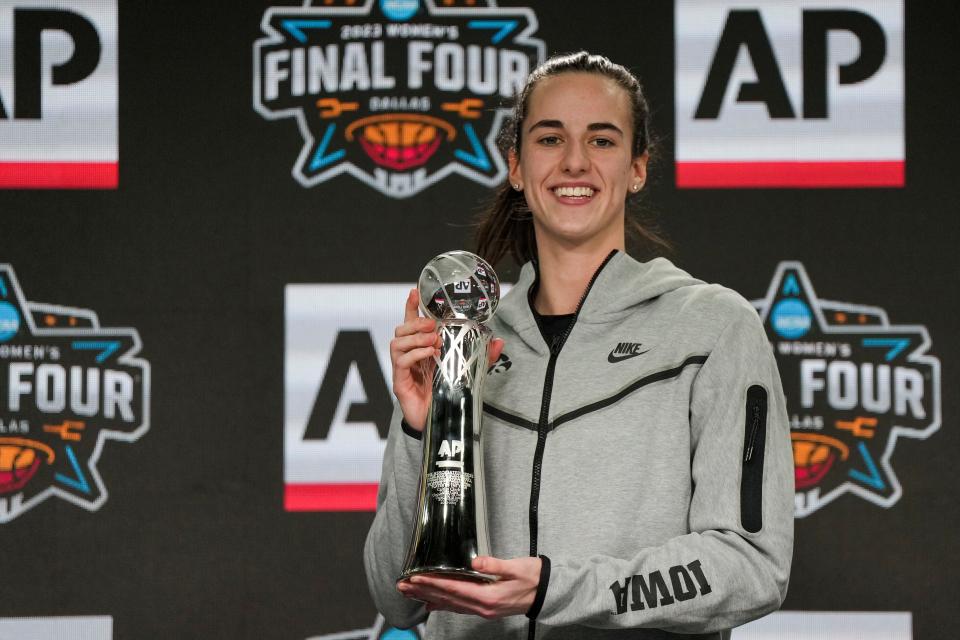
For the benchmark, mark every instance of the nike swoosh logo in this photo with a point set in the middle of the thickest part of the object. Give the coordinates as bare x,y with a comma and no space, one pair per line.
615,358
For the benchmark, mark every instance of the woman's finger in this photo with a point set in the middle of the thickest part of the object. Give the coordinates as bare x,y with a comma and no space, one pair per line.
417,325
439,597
494,566
412,357
496,348
412,309
399,346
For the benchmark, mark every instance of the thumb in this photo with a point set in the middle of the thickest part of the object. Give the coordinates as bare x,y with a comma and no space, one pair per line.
491,565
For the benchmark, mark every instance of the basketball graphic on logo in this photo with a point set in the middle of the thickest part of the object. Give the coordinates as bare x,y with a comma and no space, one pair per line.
813,456
19,460
400,141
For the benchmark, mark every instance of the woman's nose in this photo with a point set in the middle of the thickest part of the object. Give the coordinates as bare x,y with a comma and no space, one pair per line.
575,159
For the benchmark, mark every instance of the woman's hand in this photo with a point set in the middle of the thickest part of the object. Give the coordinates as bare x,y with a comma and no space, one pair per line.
411,353
511,594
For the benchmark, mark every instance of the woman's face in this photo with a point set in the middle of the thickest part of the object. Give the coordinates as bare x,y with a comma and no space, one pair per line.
576,164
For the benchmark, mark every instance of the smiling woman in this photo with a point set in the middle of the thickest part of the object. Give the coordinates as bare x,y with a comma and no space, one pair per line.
639,470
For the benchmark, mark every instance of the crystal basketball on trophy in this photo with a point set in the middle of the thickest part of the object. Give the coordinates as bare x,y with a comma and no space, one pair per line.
460,291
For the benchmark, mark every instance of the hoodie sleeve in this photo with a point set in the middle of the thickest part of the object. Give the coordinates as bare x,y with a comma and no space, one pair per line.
734,564
385,549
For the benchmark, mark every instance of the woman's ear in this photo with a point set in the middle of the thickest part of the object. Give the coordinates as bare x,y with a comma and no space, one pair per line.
640,168
514,163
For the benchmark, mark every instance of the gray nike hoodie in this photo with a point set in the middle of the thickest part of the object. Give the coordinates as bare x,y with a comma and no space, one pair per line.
645,457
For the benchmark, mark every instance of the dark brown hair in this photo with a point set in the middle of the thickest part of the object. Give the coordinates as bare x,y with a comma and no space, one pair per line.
506,226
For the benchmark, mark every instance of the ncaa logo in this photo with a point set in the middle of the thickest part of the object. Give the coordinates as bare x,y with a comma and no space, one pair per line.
791,319
789,94
397,93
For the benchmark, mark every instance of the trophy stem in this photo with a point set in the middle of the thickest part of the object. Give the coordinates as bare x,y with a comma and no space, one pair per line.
451,526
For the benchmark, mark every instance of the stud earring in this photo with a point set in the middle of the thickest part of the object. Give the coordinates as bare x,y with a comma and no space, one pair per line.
516,186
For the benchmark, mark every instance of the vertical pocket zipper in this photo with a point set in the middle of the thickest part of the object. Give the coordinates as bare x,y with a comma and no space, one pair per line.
754,441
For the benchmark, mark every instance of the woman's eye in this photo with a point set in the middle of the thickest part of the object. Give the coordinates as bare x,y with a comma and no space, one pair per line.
603,142
549,140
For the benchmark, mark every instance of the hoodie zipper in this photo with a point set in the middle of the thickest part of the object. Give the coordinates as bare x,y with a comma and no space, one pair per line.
542,424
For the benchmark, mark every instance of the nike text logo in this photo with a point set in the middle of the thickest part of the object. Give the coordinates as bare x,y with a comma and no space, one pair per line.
625,351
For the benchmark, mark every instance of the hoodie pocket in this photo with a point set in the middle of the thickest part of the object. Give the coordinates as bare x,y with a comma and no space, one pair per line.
754,440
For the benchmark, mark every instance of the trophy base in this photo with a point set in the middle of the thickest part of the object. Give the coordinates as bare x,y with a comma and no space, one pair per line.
457,573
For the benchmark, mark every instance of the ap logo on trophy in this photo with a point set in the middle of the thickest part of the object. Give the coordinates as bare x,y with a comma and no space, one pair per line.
68,386
854,383
399,94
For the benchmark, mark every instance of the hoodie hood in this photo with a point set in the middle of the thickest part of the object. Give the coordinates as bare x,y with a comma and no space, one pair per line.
620,285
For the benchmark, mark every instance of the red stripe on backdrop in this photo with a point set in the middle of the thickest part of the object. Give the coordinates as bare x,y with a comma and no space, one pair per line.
719,175
330,497
59,175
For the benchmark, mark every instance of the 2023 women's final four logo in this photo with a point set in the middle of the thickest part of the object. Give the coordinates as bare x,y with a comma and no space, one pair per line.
854,384
397,93
67,385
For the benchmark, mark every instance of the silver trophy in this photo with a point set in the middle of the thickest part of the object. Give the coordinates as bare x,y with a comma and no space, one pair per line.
460,291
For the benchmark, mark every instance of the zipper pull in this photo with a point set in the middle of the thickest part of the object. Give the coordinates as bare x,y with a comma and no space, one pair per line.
555,344
754,427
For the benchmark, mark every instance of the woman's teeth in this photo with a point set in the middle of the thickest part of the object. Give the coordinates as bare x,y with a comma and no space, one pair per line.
574,192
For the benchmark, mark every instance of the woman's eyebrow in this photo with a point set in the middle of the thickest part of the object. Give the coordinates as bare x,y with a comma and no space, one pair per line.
546,124
603,126
593,126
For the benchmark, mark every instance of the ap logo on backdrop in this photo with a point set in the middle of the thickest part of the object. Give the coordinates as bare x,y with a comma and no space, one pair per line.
789,94
854,384
68,385
337,398
58,94
337,392
399,94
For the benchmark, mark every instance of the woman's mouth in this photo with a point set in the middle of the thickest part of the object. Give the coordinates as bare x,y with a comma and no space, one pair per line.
580,193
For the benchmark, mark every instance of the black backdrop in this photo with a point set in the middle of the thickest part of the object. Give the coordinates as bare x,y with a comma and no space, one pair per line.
207,226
